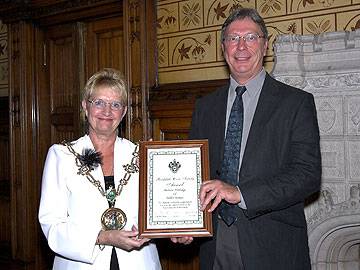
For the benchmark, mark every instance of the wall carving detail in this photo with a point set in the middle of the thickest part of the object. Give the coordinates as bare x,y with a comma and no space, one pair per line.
328,209
328,81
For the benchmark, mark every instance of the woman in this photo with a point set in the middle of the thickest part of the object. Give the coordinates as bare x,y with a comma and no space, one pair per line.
89,199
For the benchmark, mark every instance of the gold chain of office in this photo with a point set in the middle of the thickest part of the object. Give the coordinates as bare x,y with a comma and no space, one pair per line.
85,170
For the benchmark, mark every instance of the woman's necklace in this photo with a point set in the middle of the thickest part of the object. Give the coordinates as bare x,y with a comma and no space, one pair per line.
113,218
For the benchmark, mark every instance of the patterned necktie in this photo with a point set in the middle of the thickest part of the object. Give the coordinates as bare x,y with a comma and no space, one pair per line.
232,144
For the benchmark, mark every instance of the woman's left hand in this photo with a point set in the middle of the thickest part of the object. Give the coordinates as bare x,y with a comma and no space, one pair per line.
126,240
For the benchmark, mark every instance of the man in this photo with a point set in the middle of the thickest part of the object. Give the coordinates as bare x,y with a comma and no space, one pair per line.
275,156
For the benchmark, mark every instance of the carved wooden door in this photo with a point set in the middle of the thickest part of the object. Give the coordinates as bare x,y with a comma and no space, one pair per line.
60,98
105,45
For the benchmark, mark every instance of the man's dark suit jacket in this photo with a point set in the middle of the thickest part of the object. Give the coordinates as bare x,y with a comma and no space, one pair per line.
281,167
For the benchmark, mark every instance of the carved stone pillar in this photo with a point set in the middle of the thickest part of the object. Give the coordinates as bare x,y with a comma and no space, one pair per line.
328,66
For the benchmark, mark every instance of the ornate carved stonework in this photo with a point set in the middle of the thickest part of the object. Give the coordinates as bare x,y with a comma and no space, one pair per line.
326,81
328,66
327,209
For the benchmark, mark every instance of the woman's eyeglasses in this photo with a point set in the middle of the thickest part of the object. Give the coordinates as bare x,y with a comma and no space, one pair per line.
101,104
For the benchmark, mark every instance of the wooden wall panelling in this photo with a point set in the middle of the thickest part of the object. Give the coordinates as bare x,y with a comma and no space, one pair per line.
132,23
171,121
139,27
42,126
5,228
24,186
62,64
105,45
47,71
69,10
55,12
171,107
58,73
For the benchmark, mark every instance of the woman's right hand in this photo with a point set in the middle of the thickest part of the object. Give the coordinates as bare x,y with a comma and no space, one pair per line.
126,240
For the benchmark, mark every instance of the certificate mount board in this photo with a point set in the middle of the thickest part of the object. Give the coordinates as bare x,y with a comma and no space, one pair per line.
171,173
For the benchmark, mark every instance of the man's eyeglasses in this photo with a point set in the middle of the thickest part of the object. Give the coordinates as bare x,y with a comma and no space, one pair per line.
250,38
101,104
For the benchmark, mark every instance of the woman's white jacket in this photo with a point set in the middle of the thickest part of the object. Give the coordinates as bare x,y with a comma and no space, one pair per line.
71,208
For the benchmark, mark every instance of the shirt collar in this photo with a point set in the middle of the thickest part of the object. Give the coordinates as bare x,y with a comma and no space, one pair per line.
253,86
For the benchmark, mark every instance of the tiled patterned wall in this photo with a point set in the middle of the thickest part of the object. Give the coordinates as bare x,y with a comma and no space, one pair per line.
188,30
3,60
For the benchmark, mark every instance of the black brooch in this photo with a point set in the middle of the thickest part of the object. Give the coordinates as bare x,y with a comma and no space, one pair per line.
90,158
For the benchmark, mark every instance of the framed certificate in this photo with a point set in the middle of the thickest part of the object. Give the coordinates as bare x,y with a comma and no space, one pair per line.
171,173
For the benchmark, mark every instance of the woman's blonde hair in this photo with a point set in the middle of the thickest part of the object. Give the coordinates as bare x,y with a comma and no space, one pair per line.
108,77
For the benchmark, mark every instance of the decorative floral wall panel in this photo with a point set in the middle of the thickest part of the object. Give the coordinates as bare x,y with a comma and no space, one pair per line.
191,16
299,6
188,31
349,20
319,24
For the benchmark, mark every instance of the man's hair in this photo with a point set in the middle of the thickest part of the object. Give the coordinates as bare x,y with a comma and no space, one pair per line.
241,14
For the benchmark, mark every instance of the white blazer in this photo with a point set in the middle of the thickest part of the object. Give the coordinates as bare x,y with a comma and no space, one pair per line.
71,208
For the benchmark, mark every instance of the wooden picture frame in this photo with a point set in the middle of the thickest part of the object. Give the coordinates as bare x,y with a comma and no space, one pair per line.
171,173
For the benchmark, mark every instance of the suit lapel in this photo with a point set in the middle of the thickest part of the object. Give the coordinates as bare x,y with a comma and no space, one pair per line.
268,101
220,119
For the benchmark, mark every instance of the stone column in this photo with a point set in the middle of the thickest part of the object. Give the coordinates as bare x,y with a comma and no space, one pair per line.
328,66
